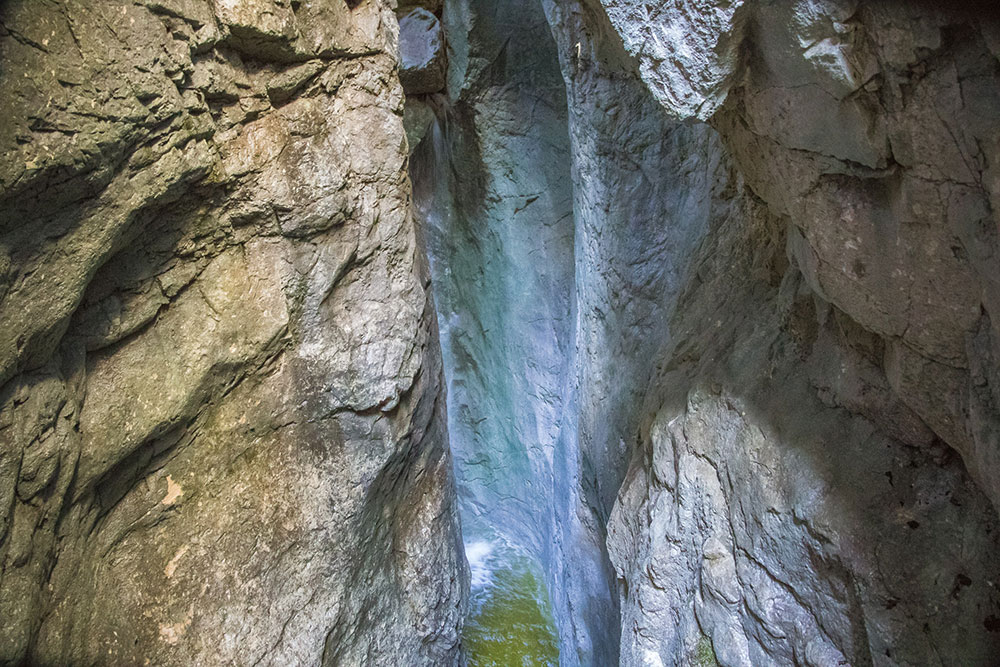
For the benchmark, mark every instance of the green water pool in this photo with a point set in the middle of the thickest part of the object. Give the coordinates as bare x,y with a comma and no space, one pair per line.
510,621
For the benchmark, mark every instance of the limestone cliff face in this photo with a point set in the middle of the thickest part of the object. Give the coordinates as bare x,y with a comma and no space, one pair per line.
718,285
776,387
494,206
221,422
796,497
494,190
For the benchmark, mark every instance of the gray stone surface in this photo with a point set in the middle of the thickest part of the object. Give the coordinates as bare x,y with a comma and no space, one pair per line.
642,191
222,435
493,189
795,498
770,519
686,51
717,285
418,116
422,61
781,358
547,295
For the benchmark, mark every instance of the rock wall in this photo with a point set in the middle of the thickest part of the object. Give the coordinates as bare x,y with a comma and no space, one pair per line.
778,408
642,191
492,188
795,496
222,432
717,285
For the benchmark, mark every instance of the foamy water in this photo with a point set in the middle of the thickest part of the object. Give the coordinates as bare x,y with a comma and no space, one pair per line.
510,619
478,555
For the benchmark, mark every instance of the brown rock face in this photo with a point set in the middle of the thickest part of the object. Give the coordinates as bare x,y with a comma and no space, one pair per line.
221,420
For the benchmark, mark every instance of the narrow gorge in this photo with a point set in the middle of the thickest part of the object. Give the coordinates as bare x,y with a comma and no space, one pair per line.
500,332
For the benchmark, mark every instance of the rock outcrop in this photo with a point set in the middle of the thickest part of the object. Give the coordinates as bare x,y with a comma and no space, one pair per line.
795,497
222,432
777,397
718,286
422,60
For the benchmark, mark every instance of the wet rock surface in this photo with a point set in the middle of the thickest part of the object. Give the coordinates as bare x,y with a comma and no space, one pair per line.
494,195
716,285
776,403
222,420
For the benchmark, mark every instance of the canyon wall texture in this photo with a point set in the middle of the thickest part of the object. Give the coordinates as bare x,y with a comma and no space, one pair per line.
718,286
496,165
778,404
816,464
222,434
494,193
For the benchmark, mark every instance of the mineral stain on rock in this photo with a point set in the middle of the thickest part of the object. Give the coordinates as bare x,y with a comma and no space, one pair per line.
175,561
174,492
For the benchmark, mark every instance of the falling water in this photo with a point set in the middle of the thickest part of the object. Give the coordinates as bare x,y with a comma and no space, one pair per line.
502,437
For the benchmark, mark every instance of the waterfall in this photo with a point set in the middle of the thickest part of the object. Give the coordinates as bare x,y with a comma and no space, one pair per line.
495,207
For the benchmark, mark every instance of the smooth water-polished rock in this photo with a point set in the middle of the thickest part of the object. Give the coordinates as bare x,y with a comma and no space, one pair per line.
222,434
493,188
493,185
550,308
781,321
